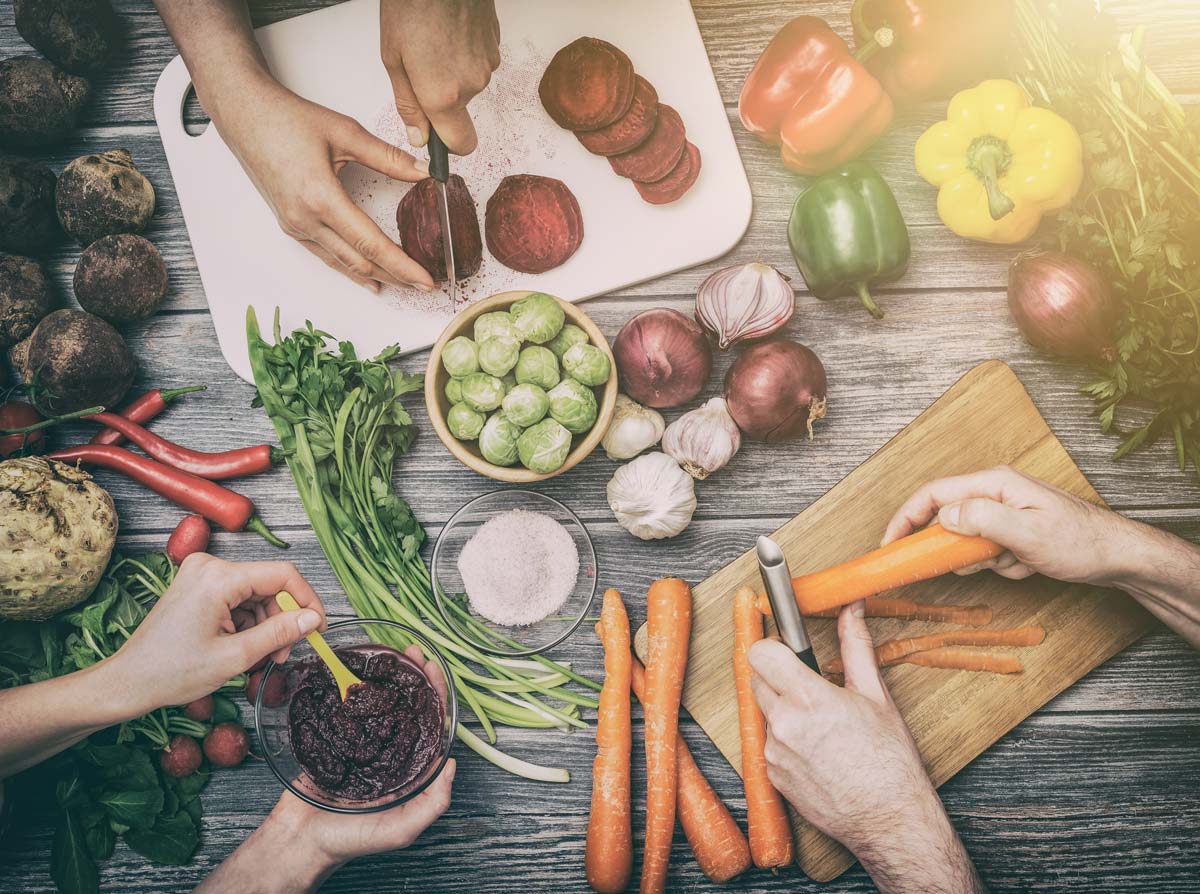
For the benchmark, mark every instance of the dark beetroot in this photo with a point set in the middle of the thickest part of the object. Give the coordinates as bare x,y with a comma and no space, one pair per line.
201,709
273,695
676,184
385,735
588,85
532,224
660,152
226,744
631,129
421,228
181,757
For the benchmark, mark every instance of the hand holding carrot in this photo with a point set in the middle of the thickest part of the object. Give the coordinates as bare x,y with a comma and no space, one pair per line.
848,764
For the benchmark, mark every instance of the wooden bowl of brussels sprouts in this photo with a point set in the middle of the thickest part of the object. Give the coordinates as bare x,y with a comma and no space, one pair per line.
521,386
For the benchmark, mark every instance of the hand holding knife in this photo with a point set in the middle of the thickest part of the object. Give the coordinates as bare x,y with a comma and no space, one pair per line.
439,170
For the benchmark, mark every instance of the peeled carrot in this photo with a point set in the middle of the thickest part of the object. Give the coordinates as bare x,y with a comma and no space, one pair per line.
669,627
721,849
909,610
953,658
896,650
608,858
770,829
931,552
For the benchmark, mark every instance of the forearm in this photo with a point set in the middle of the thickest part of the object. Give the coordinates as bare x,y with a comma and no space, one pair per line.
41,719
1162,572
216,40
303,869
920,853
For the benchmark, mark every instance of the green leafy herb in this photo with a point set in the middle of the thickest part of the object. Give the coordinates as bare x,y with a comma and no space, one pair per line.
1136,219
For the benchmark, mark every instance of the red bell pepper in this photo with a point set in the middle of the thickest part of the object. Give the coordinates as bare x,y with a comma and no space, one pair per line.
931,49
810,96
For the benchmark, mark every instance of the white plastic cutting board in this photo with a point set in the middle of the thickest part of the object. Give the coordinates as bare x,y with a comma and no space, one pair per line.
332,57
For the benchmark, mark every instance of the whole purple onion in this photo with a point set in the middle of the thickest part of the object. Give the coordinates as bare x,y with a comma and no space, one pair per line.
1062,305
663,358
776,390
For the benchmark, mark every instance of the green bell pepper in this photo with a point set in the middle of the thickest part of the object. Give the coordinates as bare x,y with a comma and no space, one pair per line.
846,232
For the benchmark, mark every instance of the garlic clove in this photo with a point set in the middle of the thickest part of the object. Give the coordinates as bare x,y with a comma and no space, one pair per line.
744,302
634,428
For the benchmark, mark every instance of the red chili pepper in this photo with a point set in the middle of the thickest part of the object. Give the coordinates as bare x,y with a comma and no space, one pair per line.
218,504
143,409
213,466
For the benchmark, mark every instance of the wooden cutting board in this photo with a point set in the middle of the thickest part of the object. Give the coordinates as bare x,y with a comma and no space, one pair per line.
985,419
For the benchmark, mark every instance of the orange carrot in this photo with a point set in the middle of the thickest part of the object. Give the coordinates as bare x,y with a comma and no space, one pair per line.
720,847
931,552
909,610
954,658
896,650
608,858
669,626
770,829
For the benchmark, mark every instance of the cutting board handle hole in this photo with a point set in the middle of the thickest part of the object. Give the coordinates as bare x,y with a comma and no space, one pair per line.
195,119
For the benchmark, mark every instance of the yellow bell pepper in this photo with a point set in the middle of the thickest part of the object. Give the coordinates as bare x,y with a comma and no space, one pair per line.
999,163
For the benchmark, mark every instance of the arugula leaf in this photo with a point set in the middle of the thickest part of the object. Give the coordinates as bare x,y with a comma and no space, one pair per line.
71,865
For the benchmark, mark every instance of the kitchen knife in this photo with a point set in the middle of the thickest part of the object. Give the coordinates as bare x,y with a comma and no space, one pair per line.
439,170
777,578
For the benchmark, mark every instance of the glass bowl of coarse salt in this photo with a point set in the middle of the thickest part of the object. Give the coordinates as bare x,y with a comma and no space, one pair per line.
514,572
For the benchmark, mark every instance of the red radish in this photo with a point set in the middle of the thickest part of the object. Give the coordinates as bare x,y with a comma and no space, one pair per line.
181,757
201,709
272,695
191,535
18,414
226,744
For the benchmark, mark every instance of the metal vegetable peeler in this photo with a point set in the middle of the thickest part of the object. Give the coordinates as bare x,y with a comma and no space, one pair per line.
439,170
777,578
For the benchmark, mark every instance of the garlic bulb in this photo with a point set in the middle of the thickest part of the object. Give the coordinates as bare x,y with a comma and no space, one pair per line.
652,497
744,302
634,428
703,440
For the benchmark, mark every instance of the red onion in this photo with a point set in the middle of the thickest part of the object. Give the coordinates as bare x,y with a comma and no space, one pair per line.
663,358
745,302
776,390
1062,305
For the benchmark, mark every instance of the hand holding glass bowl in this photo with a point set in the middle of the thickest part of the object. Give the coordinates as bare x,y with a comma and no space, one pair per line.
521,386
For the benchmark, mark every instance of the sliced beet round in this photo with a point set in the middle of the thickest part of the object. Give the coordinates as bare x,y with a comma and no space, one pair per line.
658,154
587,85
631,129
532,224
421,228
675,184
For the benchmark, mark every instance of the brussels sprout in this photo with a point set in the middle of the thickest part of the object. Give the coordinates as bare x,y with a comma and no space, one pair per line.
526,404
510,382
495,325
544,447
573,405
482,392
538,318
498,355
537,366
570,336
454,391
498,440
460,357
464,423
584,363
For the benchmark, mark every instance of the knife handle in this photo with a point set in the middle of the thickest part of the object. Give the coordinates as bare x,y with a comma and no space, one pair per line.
439,158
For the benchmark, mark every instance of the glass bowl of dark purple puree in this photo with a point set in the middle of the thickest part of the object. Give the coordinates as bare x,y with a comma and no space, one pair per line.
514,572
380,747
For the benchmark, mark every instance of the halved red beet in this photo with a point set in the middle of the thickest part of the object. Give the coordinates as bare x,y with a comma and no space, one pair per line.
532,224
631,129
675,184
658,154
421,228
587,85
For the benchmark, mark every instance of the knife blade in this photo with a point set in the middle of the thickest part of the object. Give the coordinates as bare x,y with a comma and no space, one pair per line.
439,170
777,578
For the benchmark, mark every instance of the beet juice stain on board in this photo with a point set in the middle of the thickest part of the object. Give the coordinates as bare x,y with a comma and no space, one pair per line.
590,88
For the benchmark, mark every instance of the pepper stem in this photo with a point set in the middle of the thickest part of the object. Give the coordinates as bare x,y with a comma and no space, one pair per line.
864,295
278,455
880,38
258,526
989,157
170,394
53,420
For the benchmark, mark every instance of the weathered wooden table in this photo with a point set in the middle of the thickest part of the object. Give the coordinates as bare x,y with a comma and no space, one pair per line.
1100,790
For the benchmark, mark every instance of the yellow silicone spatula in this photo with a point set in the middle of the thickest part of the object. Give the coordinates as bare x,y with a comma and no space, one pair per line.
341,674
